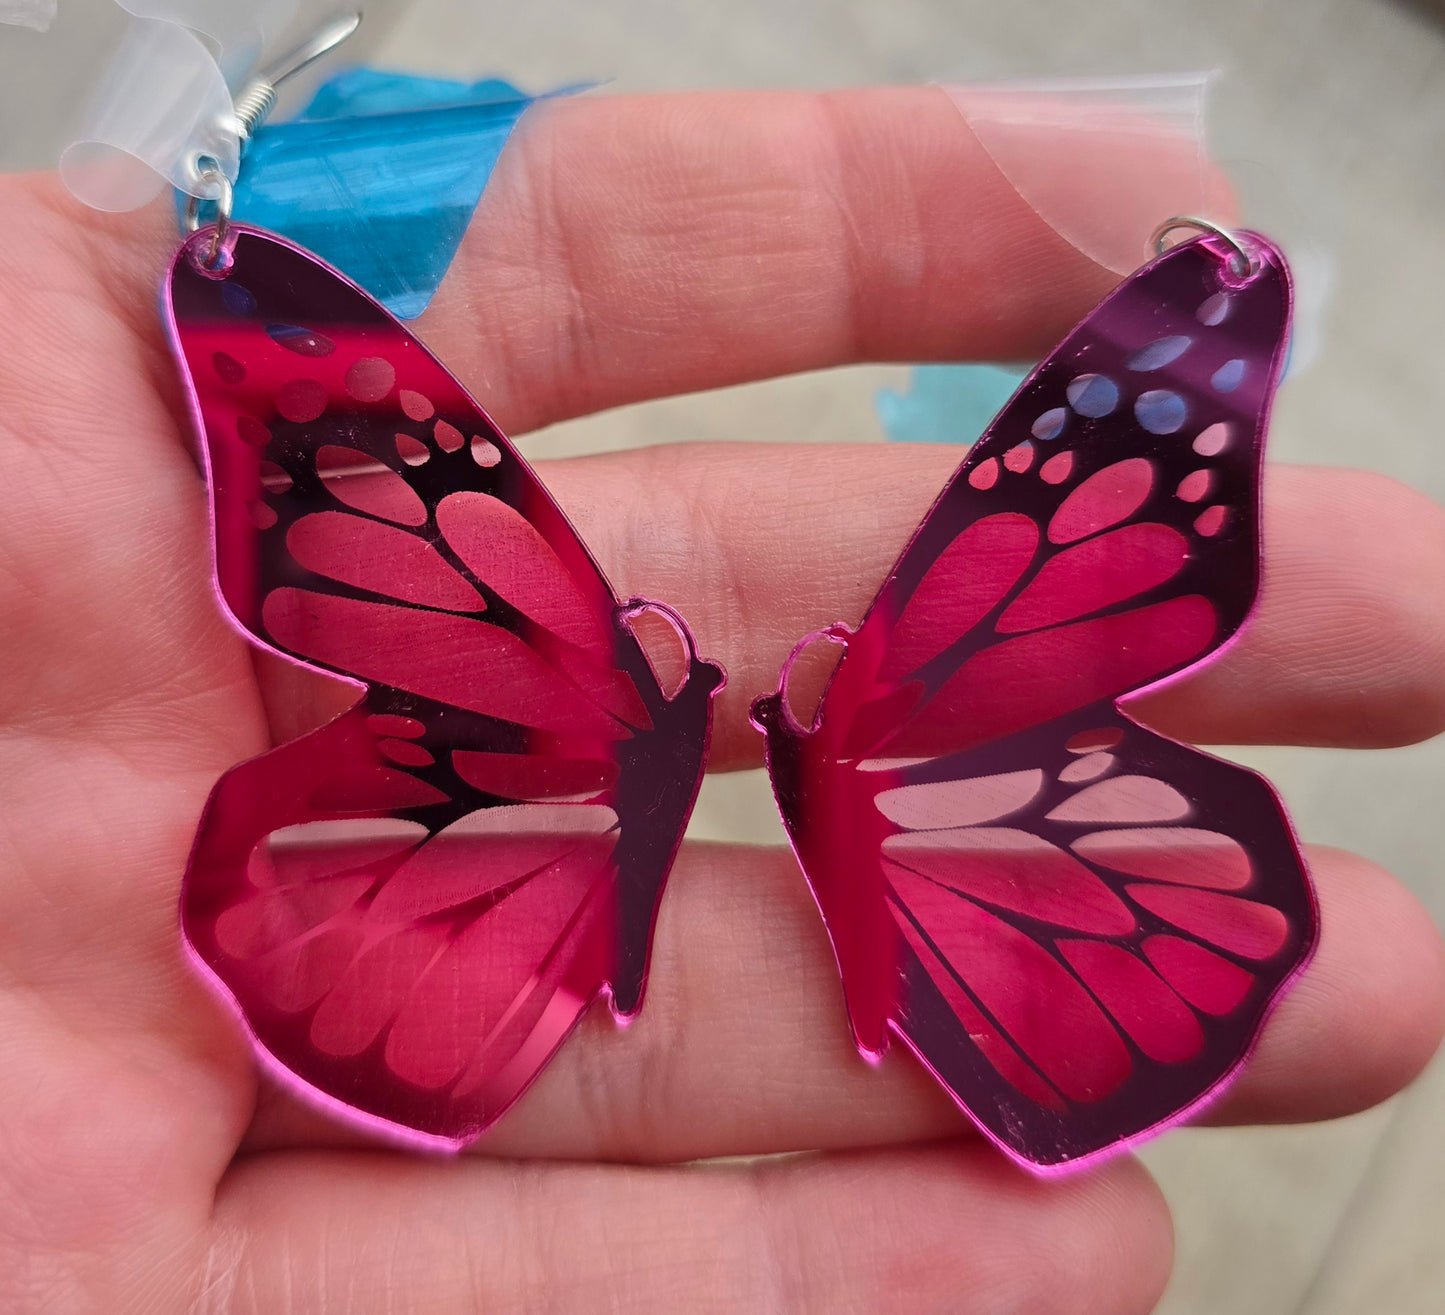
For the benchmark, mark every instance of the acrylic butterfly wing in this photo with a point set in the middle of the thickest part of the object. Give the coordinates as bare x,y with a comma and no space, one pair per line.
412,905
1078,925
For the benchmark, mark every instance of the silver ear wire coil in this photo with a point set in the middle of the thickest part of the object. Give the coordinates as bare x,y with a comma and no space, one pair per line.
253,108
257,98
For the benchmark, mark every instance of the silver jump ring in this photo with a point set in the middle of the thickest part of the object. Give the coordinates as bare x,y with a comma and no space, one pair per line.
1242,263
225,195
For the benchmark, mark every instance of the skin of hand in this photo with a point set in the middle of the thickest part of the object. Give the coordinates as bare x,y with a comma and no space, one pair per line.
627,248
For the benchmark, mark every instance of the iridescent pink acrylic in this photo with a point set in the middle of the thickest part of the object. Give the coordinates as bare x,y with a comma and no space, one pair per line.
412,905
1078,925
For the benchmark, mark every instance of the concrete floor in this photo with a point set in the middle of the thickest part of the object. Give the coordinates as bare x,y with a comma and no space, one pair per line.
1332,114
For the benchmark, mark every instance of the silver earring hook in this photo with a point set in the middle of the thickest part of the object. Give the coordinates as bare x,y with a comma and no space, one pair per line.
1242,263
252,105
258,97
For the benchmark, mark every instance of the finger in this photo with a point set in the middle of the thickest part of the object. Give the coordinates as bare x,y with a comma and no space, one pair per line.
742,1046
947,1229
631,246
758,546
1367,1015
1347,647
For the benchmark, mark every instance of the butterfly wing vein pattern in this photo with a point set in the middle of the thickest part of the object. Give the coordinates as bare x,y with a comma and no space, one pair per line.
412,905
1078,925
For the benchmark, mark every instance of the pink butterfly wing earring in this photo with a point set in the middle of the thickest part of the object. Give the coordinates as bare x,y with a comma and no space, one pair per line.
411,906
1077,924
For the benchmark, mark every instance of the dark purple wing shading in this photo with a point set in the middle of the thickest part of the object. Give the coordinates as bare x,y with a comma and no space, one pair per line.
412,905
1079,936
1094,930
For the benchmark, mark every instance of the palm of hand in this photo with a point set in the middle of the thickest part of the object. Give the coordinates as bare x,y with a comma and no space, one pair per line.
143,1165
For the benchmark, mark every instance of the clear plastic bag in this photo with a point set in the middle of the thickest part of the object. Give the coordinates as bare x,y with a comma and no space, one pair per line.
165,100
1059,143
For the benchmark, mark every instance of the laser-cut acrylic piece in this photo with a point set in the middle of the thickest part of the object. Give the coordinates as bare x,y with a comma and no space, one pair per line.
1077,924
412,905
379,176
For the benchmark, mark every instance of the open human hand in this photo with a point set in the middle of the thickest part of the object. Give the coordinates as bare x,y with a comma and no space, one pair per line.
627,248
